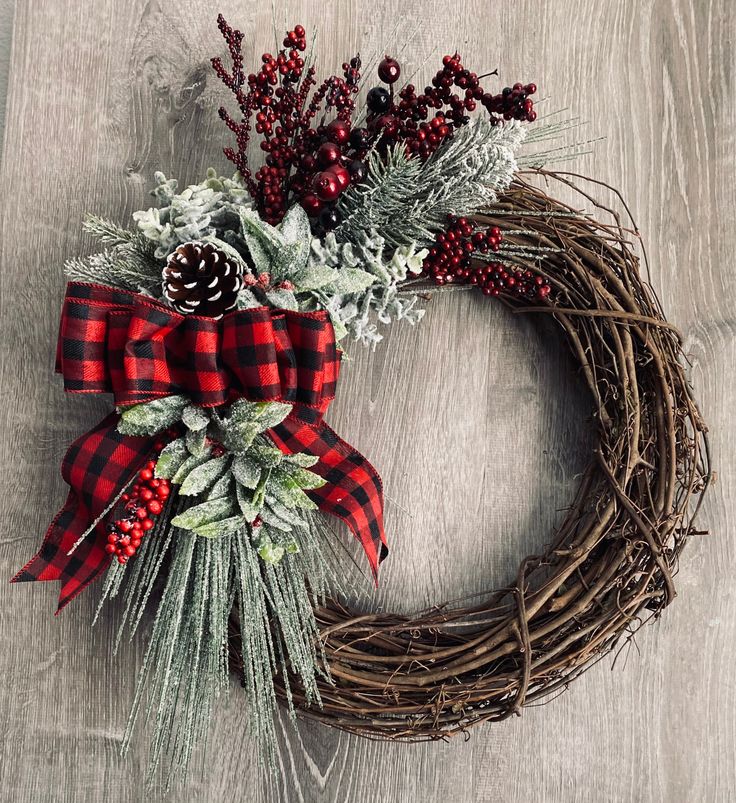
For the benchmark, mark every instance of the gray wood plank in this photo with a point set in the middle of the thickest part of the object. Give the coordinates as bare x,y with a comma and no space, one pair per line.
475,419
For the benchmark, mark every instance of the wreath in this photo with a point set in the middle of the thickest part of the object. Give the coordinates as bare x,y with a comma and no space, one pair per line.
217,324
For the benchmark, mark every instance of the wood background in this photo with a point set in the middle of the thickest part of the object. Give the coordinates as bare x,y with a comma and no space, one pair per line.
475,419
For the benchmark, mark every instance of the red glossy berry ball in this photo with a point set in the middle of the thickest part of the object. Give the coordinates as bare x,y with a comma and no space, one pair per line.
341,174
338,131
326,186
154,506
328,153
311,204
147,524
389,70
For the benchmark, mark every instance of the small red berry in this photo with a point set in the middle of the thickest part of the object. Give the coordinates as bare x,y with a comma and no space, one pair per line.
338,131
311,204
341,174
147,524
154,506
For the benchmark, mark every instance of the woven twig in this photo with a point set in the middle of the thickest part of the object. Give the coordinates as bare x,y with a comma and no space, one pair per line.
609,566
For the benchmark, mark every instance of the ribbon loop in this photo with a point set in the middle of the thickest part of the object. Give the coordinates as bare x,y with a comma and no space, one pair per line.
112,341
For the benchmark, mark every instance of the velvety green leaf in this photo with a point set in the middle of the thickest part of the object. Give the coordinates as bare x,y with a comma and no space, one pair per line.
188,465
245,502
282,299
151,417
217,529
350,281
204,513
204,476
246,471
267,456
302,459
196,441
194,418
285,513
171,458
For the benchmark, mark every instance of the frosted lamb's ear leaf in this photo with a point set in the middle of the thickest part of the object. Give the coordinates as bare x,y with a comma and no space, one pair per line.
351,281
251,223
282,299
295,226
171,458
312,278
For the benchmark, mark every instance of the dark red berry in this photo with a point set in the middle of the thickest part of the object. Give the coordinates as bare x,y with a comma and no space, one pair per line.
389,70
338,131
326,186
328,153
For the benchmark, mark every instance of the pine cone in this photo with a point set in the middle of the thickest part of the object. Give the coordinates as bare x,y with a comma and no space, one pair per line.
200,279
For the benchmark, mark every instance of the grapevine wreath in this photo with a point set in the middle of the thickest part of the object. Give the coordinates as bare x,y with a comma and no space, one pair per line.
216,324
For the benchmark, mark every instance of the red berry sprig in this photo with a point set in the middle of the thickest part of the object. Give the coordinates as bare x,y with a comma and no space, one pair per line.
450,259
143,504
409,120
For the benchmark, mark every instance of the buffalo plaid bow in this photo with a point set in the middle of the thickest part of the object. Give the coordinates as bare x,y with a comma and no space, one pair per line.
112,341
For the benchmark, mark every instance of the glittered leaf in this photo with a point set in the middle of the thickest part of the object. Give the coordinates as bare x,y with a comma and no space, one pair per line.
312,278
171,458
295,226
223,487
304,478
302,459
188,465
270,552
194,418
204,513
350,281
282,299
273,520
196,441
245,503
288,492
246,471
151,417
270,414
267,456
217,529
205,476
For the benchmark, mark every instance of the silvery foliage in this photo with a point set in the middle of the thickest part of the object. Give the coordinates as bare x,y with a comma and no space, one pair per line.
354,281
356,313
408,200
208,209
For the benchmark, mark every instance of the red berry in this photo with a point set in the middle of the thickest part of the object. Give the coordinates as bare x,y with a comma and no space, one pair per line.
146,495
122,559
141,512
163,491
311,204
146,474
154,506
147,524
328,153
338,131
110,549
129,550
124,525
389,70
341,174
326,186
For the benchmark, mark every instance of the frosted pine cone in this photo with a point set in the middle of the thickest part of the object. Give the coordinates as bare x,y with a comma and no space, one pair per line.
201,279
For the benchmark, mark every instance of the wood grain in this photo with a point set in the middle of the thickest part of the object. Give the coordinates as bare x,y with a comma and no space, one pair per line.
476,419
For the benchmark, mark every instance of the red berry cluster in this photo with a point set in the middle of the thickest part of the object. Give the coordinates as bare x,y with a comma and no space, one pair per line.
450,259
145,501
409,120
279,98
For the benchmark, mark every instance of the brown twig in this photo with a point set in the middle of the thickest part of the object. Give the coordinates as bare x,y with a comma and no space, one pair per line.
610,564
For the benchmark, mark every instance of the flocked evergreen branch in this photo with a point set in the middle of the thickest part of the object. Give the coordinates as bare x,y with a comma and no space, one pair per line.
408,200
238,531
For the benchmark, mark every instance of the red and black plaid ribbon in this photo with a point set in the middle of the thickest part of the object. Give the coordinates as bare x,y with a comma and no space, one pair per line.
138,350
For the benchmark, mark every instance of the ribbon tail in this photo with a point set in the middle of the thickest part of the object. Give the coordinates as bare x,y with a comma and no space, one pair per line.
97,466
353,490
